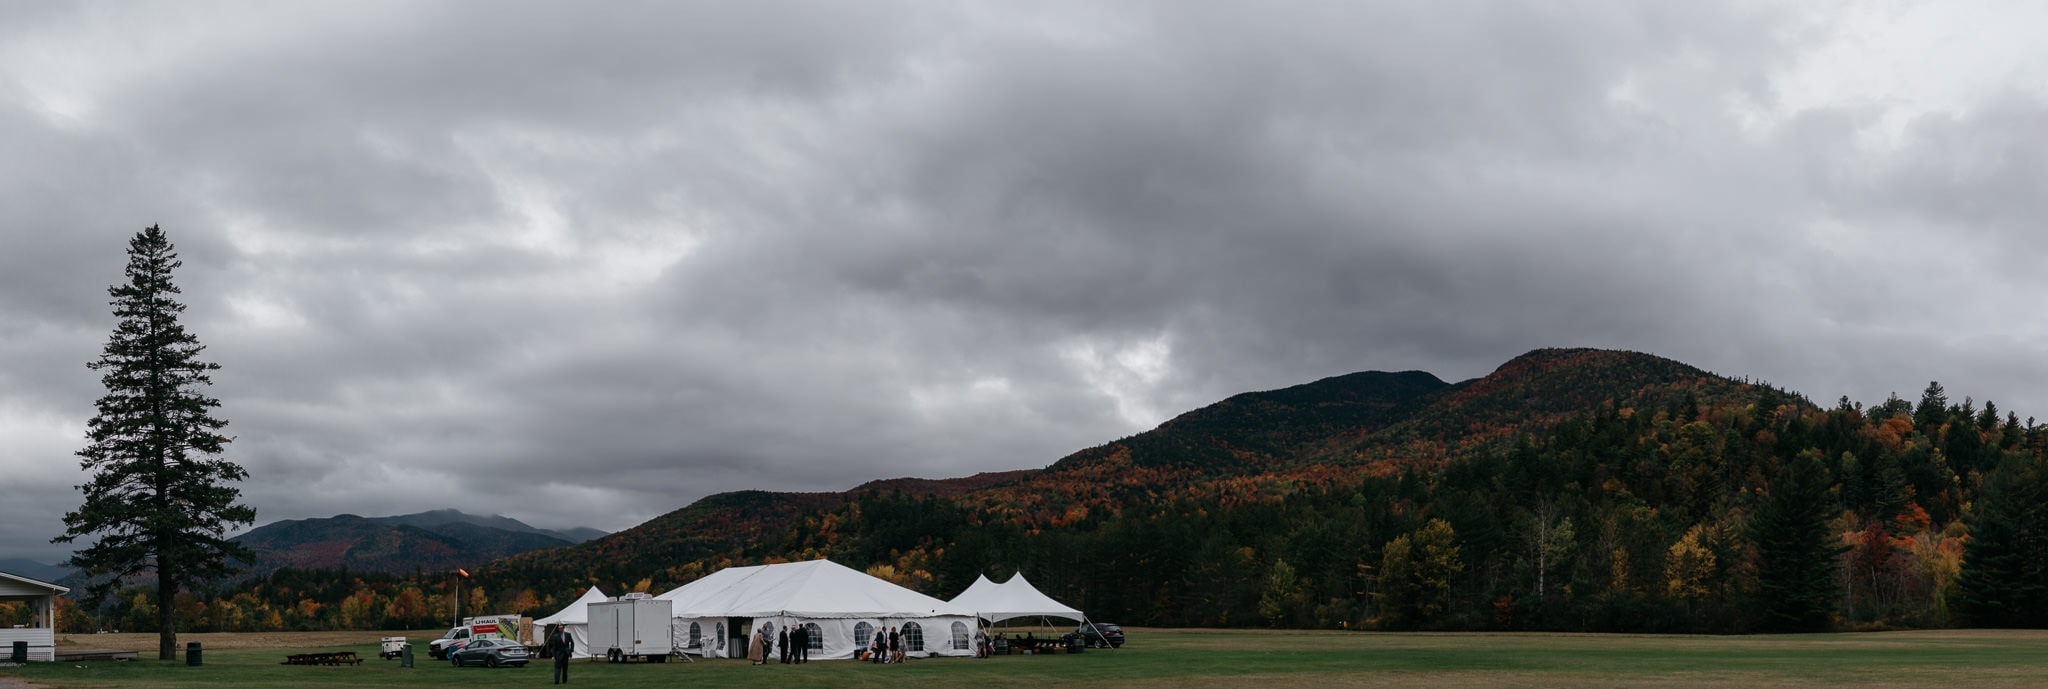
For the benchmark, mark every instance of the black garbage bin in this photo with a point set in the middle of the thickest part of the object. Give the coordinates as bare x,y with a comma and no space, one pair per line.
405,655
192,654
1075,644
20,652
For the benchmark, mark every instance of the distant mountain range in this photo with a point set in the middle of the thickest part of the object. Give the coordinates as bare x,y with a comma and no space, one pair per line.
438,518
34,570
425,542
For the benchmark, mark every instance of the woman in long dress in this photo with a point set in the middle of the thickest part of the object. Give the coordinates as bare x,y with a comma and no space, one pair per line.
755,652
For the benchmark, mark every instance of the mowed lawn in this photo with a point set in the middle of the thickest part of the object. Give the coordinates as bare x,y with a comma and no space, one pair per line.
1177,658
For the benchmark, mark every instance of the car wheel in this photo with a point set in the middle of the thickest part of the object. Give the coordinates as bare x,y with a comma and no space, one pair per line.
491,661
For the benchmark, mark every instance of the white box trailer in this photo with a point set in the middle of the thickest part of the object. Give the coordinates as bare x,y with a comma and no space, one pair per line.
632,628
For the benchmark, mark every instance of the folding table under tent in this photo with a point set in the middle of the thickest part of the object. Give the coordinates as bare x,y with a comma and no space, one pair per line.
576,617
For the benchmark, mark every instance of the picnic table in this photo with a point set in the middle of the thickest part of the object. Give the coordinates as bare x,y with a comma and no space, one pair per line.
339,658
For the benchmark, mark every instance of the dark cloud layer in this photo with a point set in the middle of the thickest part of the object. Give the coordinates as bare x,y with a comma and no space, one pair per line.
582,265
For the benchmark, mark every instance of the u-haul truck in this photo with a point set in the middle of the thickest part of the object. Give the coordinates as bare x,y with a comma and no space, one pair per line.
511,627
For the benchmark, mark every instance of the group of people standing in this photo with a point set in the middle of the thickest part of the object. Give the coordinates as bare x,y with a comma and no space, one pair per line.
887,646
794,645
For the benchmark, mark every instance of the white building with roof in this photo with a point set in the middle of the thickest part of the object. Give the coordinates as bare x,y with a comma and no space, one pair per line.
41,632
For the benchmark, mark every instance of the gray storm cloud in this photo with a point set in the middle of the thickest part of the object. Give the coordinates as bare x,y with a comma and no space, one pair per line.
583,265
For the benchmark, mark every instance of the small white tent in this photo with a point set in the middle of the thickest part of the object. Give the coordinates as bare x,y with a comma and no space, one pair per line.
841,606
576,617
1012,599
978,594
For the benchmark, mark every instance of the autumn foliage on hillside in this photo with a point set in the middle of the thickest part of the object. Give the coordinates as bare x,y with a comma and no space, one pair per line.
1569,490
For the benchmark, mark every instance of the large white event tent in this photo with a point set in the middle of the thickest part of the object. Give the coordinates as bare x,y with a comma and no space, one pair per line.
1012,599
576,617
841,606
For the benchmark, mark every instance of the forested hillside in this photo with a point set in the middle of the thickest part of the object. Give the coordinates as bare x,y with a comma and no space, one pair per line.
1568,490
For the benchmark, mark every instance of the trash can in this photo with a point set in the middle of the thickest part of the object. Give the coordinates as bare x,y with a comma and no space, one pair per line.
1076,645
20,652
405,655
192,654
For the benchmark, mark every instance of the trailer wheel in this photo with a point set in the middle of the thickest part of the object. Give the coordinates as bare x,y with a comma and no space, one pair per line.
615,656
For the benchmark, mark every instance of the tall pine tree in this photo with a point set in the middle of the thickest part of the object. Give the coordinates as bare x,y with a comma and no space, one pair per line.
2004,581
1796,552
160,498
1933,408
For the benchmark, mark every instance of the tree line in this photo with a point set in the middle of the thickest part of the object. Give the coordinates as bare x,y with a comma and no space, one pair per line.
1750,512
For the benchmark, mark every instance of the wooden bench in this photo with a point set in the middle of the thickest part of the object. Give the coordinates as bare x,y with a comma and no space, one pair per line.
341,658
67,654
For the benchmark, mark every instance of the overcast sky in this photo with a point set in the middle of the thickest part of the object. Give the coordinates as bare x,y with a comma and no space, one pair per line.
584,263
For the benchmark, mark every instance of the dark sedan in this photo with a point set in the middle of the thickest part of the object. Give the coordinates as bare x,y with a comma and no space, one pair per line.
1099,635
490,653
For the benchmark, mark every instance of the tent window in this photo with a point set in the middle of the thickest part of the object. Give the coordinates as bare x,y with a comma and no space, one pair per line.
721,635
959,636
913,637
863,634
696,634
815,639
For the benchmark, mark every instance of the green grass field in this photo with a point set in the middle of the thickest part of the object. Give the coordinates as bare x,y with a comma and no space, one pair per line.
1214,658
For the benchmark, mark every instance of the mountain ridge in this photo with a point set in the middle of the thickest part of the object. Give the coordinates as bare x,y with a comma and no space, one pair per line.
425,541
1367,421
46,573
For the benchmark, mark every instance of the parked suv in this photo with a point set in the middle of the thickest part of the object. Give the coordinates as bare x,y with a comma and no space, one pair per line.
1098,635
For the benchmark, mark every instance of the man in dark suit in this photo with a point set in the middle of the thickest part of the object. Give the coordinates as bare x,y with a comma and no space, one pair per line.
561,645
800,644
782,643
